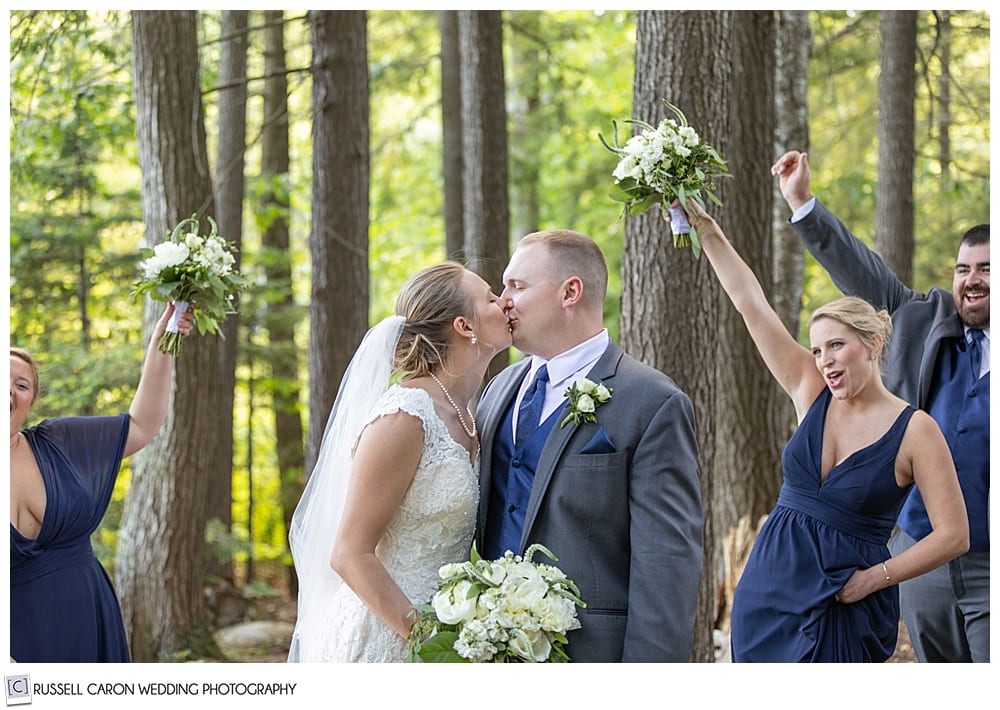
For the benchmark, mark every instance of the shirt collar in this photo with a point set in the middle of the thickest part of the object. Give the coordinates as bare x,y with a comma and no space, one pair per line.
986,333
564,365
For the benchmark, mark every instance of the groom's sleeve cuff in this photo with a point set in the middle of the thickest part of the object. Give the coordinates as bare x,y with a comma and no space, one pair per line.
804,210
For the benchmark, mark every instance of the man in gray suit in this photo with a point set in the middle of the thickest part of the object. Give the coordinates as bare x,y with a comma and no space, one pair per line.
613,493
939,361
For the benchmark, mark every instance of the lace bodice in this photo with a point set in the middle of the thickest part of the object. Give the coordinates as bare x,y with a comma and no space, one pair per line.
433,526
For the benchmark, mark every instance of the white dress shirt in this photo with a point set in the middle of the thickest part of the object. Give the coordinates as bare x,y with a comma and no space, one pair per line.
984,348
564,369
805,209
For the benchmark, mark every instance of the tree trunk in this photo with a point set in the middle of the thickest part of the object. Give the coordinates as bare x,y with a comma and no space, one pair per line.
526,99
281,355
229,183
484,140
338,244
754,416
161,542
686,57
451,127
794,41
944,97
894,218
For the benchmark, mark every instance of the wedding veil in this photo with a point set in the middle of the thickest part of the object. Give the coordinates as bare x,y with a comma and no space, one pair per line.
317,516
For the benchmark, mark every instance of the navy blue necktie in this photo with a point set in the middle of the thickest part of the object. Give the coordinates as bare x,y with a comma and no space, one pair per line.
976,351
530,412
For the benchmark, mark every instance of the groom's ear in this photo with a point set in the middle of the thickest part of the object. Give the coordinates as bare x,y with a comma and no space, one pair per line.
572,291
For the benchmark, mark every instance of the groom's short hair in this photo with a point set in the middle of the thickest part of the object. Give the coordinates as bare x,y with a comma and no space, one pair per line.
574,254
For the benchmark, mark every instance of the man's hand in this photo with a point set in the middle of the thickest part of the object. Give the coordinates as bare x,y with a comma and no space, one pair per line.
792,170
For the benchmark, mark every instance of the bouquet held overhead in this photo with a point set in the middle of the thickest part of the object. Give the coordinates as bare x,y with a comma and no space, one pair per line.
663,163
193,271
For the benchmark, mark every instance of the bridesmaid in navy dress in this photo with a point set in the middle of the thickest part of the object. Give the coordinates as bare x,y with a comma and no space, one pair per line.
62,605
819,584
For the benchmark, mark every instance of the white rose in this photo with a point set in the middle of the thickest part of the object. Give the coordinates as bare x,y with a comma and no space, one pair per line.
602,393
454,606
151,267
690,136
557,613
524,588
171,253
624,168
452,569
193,241
531,645
585,404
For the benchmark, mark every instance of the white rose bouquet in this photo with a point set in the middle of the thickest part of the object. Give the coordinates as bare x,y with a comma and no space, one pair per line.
193,271
661,164
510,610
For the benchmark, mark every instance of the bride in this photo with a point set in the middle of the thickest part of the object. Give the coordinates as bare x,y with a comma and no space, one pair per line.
395,490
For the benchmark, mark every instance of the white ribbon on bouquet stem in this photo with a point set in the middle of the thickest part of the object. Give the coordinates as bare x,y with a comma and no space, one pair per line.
180,308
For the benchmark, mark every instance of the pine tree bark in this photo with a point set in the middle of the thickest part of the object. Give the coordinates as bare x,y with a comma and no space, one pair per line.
894,218
674,314
229,184
338,243
281,355
451,130
484,140
161,542
794,40
526,99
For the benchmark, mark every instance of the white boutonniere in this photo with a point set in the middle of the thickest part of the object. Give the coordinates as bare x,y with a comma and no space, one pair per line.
584,398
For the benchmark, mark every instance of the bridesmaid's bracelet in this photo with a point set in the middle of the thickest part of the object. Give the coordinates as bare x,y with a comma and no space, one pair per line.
887,577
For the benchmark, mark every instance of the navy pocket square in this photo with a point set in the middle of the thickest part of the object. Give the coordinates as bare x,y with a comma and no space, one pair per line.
599,444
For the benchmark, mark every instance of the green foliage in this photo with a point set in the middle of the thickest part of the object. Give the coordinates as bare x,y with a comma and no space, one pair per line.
843,151
74,216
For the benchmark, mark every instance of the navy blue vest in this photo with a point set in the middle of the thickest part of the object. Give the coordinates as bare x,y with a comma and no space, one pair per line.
513,473
960,404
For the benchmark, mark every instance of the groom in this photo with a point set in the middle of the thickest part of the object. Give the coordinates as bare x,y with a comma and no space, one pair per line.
617,500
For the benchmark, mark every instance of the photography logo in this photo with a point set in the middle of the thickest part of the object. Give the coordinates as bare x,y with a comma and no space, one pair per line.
18,690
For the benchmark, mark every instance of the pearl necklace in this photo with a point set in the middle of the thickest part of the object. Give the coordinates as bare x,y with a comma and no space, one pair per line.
461,419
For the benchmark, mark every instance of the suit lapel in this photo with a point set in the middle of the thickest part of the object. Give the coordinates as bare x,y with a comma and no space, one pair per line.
555,446
950,327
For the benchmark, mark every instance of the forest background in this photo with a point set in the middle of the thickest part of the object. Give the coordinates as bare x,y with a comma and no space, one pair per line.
82,202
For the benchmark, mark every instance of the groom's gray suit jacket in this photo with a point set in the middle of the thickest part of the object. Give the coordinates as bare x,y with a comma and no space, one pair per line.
625,524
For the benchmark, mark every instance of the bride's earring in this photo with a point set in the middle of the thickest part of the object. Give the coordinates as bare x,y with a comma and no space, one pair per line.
474,339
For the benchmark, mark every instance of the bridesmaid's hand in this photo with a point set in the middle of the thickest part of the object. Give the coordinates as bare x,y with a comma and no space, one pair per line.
862,583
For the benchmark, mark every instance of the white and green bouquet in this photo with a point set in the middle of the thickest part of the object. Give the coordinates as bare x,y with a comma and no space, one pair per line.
661,164
510,610
193,271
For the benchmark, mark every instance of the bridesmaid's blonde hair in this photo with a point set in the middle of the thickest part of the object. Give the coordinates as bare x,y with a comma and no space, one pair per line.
874,327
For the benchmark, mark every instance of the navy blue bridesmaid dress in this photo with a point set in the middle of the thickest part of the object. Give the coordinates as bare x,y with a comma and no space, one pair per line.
819,533
62,605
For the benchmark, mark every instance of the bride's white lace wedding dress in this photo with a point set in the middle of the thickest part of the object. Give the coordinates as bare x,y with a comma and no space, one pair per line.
433,526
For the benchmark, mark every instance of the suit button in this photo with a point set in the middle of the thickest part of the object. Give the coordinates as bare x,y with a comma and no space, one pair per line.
515,462
511,509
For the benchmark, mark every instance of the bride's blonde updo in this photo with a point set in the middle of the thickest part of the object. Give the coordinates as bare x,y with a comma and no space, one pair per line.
860,316
430,301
